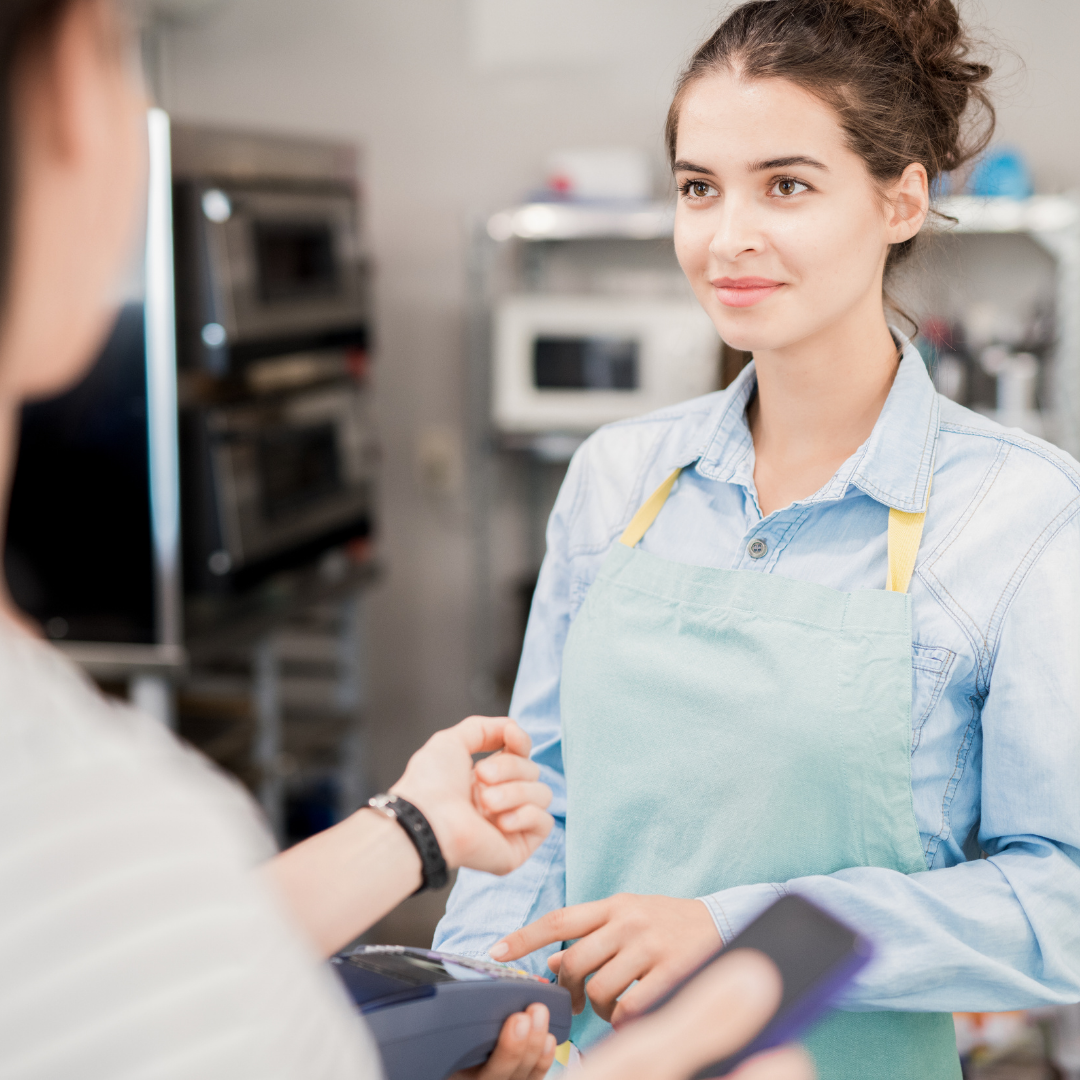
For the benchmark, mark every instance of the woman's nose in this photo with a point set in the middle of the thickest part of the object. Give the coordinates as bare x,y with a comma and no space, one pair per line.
737,230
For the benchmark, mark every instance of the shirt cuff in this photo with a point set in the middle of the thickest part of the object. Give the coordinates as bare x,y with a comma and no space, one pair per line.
732,910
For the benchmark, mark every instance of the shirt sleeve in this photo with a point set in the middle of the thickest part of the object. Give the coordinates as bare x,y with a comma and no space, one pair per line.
483,908
1000,932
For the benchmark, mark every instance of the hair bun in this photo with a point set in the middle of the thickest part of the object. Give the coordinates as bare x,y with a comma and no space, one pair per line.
932,33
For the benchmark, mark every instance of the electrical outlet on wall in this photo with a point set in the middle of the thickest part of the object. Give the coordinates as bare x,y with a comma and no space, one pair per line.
440,461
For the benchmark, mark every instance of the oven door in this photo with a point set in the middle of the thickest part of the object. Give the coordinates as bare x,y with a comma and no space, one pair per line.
284,263
288,471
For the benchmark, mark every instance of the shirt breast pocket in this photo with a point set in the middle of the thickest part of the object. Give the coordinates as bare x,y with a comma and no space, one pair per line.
930,667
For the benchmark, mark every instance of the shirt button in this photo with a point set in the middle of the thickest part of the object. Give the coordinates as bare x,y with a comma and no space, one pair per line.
757,548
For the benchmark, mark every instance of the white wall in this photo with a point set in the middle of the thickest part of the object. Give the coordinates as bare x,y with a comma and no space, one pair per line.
456,103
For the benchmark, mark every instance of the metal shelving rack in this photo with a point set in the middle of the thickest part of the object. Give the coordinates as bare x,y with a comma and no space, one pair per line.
1053,222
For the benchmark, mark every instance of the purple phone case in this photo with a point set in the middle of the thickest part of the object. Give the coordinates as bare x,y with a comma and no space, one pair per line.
788,1023
787,1026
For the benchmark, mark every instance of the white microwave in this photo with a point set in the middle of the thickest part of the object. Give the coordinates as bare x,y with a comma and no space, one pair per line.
572,363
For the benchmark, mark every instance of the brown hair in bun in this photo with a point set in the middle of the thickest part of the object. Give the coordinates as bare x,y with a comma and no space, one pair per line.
899,73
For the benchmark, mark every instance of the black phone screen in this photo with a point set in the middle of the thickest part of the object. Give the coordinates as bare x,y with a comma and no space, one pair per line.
802,941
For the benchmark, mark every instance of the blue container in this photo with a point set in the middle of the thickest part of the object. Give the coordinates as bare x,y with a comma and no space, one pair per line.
1002,171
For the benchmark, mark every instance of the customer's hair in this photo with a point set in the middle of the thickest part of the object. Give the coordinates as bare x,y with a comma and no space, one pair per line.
899,74
22,24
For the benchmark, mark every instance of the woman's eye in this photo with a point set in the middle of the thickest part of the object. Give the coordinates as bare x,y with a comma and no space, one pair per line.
788,187
698,189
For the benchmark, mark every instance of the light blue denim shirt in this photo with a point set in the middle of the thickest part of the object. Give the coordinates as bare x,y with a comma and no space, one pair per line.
994,922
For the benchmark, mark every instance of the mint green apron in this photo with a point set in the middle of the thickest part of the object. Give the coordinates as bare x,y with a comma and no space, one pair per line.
727,727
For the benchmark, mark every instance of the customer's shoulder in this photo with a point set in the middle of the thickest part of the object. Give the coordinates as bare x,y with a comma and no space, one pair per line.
57,727
52,713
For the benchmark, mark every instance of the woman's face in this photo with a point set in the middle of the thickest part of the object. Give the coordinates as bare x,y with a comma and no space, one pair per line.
80,147
778,227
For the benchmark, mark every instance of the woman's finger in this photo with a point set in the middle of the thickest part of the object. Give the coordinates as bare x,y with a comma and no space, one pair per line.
788,1063
563,924
585,956
499,768
503,797
614,978
644,993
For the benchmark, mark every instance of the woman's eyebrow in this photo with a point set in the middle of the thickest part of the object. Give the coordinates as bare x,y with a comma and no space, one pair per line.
757,166
786,163
689,166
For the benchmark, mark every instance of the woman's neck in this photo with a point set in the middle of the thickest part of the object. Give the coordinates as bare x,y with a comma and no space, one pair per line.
816,404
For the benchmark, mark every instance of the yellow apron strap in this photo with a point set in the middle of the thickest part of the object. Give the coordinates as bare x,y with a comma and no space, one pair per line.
639,524
905,535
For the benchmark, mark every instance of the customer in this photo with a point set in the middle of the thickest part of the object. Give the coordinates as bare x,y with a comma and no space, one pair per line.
137,937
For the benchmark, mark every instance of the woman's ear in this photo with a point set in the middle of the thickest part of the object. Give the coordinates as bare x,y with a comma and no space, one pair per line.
908,203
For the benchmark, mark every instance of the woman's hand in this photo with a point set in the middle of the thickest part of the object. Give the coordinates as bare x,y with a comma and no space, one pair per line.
719,1012
655,940
524,1051
491,816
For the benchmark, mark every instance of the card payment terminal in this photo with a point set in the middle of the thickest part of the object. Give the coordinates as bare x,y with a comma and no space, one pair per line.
434,1013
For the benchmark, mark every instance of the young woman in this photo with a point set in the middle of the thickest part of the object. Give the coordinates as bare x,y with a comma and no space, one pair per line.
138,935
816,633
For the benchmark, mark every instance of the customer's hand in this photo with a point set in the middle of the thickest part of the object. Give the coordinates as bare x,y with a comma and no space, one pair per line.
490,816
639,947
524,1051
720,1011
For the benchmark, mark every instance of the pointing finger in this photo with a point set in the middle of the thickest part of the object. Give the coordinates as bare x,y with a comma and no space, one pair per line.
563,924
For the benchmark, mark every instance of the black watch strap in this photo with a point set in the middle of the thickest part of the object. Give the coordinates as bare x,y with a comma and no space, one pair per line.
419,831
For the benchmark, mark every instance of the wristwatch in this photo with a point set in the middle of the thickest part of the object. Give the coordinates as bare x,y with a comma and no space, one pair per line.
419,831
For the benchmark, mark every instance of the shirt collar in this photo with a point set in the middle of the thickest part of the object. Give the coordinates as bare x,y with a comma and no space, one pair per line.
894,465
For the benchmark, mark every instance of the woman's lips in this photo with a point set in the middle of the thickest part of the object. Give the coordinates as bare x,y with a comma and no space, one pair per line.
745,291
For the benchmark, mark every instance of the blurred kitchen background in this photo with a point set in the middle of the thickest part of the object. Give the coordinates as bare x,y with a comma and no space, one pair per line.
400,260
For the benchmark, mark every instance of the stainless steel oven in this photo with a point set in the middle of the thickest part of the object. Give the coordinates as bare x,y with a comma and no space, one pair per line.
269,252
280,473
278,449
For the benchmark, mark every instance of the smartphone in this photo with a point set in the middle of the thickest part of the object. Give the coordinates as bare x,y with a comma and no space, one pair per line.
817,957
